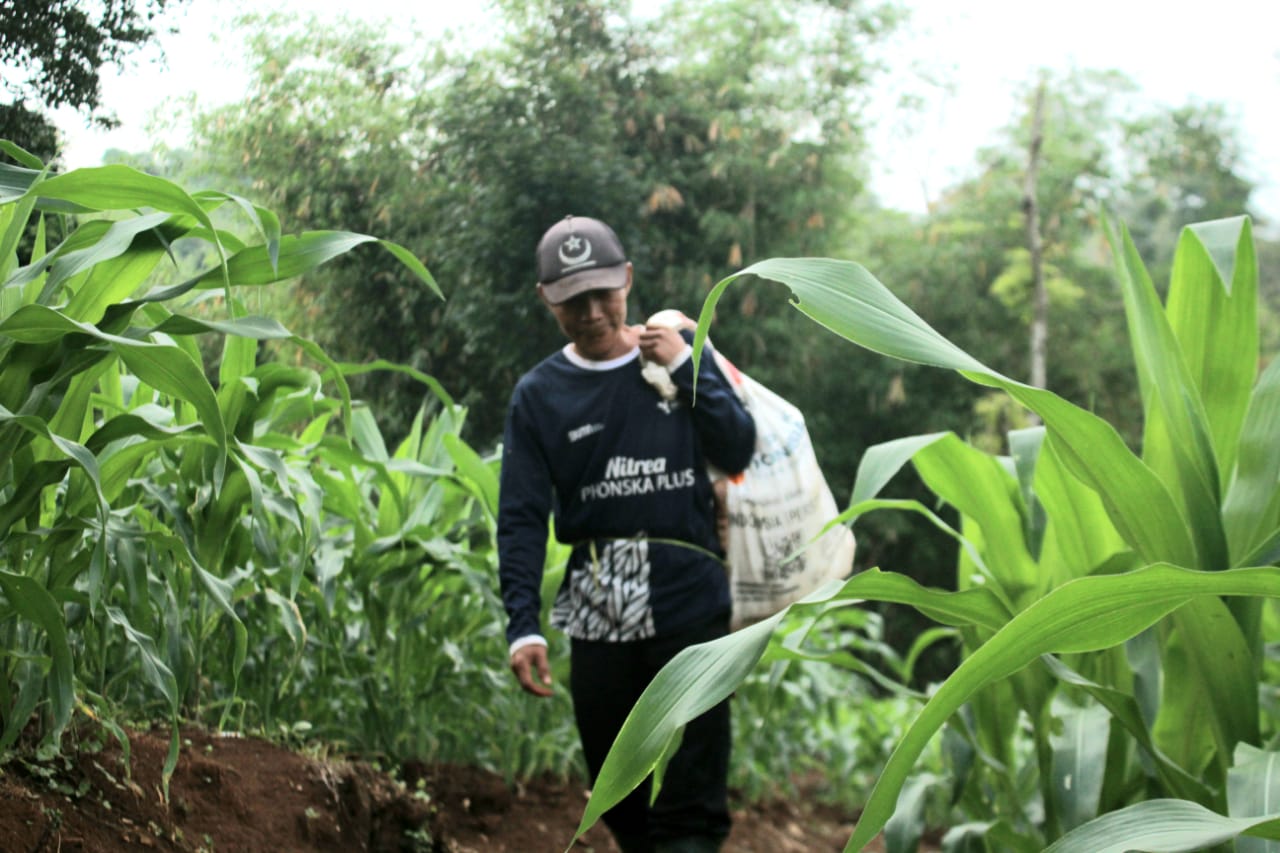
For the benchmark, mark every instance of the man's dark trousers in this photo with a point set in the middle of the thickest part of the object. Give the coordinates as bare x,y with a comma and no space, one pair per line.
605,681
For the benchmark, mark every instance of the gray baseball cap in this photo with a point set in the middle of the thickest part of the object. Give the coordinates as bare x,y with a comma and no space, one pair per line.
578,254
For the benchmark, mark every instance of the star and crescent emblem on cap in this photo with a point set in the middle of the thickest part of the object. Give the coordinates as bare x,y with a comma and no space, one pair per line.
575,252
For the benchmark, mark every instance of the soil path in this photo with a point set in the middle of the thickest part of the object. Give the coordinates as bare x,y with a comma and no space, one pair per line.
244,795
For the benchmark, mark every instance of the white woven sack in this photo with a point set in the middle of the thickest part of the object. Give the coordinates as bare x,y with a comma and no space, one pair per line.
780,504
775,507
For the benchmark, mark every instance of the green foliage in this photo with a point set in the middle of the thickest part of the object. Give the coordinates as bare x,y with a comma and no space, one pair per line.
713,137
1158,168
794,722
230,543
1071,548
699,159
717,135
330,133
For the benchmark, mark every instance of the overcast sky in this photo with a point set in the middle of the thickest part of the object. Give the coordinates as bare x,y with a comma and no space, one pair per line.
1227,50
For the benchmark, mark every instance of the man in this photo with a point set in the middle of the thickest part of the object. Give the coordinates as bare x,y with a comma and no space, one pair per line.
623,471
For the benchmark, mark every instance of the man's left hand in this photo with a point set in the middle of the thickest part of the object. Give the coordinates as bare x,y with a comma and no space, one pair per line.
660,344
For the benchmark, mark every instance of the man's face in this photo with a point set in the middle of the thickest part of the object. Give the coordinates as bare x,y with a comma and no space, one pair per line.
596,322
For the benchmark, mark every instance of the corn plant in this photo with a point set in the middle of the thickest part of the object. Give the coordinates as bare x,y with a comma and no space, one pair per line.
1112,602
808,722
238,545
131,485
403,655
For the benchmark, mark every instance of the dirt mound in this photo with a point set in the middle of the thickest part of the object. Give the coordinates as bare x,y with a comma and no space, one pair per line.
478,813
226,794
245,795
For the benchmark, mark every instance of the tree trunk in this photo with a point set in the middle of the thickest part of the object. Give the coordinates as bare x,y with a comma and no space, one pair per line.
1031,208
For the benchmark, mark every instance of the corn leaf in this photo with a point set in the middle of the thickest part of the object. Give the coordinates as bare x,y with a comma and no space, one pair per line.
167,368
406,483
74,417
103,241
1212,309
220,591
1123,708
239,357
1221,676
332,372
1084,615
1088,614
71,450
254,328
350,369
1253,789
154,669
1162,826
30,681
695,680
264,221
1025,446
1251,509
118,187
702,675
848,300
171,371
20,154
415,266
15,181
984,492
1079,536
113,279
903,833
15,225
32,602
881,462
301,254
1079,762
290,617
151,422
367,437
1176,441
476,474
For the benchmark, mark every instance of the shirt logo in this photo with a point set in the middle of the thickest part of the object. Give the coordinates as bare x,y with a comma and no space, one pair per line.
668,406
626,476
626,466
583,431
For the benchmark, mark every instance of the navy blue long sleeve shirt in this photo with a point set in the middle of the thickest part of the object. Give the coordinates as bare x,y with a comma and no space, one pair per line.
619,468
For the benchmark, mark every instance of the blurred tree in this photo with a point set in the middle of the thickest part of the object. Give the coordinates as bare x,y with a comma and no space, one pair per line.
527,131
701,160
53,51
1153,168
29,129
1185,165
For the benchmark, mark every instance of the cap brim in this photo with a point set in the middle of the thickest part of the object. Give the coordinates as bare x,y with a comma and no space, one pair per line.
602,278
